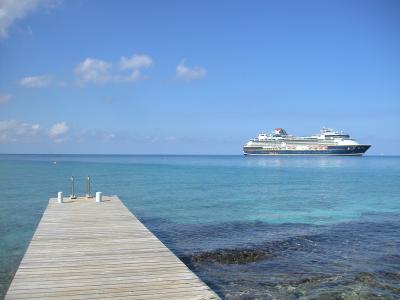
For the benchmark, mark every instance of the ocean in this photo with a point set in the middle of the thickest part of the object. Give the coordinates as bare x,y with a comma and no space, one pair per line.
250,227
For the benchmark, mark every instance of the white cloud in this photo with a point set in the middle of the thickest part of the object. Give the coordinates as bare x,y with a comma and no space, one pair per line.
12,10
134,76
98,71
36,81
93,71
136,61
58,129
188,74
11,130
4,98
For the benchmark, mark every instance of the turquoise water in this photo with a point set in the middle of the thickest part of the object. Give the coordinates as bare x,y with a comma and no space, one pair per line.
283,227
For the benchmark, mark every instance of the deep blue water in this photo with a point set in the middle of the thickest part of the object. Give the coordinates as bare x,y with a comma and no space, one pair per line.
251,227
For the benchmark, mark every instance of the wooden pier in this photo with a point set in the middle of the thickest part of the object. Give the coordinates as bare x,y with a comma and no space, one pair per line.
87,250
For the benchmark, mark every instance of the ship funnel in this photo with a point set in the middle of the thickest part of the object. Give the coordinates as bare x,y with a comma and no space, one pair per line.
280,131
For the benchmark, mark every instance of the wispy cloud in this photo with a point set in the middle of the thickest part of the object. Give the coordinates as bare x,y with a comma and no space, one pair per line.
58,130
36,81
136,61
16,131
186,73
98,71
135,64
13,131
92,136
4,98
93,70
12,10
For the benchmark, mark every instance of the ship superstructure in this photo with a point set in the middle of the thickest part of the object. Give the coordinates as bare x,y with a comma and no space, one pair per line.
327,142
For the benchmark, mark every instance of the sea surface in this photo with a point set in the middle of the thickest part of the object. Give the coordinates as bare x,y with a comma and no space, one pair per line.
250,227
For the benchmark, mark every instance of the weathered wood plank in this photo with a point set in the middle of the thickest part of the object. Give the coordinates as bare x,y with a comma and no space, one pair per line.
87,250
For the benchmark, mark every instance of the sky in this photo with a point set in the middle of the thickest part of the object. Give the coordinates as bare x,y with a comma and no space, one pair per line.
195,77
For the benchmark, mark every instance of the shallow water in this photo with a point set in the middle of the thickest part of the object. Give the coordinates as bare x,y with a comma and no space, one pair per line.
251,227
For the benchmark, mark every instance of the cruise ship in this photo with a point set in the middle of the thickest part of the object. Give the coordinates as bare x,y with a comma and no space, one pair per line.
327,142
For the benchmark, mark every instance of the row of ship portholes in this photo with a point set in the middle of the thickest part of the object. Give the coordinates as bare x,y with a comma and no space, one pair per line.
354,148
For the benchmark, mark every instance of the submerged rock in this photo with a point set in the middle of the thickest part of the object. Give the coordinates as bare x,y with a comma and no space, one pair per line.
366,278
232,256
390,275
255,253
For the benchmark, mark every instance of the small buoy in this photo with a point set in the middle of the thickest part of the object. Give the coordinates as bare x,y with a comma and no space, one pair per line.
54,162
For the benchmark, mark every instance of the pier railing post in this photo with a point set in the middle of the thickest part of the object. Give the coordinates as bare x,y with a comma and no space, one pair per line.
88,192
60,197
73,196
98,197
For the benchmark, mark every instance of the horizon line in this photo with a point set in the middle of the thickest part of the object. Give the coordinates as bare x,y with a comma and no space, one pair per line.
165,154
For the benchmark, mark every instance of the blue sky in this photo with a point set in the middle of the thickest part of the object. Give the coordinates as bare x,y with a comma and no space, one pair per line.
195,77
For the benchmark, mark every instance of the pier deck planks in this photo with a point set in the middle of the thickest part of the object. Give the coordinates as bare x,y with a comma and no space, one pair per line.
87,250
